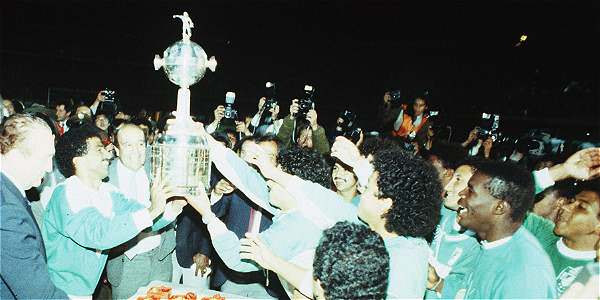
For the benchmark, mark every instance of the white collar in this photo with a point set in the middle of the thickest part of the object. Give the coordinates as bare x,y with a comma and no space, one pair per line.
80,196
455,225
121,168
574,254
15,183
490,245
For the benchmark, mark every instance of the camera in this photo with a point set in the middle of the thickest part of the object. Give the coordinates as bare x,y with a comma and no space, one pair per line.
266,117
306,102
109,106
230,113
535,143
109,95
347,127
490,123
395,97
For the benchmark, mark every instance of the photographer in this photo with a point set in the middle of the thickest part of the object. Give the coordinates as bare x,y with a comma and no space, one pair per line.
235,131
482,148
386,113
218,113
100,97
409,125
303,132
272,128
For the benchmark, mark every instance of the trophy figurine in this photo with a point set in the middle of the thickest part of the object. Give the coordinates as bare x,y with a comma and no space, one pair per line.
180,158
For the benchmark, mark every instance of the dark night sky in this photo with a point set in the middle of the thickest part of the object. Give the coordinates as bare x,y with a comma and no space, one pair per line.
351,51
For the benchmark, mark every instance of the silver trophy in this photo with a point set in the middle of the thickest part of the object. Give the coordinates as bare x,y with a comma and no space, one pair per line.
180,158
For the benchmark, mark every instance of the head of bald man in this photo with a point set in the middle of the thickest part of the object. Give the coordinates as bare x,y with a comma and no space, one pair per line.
131,146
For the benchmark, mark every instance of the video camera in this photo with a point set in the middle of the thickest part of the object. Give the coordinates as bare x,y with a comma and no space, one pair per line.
230,113
347,127
536,143
110,105
396,99
490,123
306,102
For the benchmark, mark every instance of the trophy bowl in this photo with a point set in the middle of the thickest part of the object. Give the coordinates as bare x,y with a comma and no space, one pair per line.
184,63
182,162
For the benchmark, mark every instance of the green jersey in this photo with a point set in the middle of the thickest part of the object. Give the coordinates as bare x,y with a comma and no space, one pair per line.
567,263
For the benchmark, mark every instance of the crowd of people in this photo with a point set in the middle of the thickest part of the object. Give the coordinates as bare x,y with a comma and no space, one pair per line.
293,210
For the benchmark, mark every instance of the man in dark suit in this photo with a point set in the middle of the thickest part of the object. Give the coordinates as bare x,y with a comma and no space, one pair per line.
27,147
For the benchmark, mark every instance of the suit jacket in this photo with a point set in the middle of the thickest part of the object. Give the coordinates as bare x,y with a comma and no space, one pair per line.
23,267
193,237
167,235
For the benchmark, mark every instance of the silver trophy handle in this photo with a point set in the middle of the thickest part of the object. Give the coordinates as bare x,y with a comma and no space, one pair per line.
212,63
158,62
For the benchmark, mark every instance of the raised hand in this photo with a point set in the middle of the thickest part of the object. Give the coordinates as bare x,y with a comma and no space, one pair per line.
258,157
583,165
294,108
261,103
159,193
472,136
200,203
311,116
253,248
223,187
219,113
346,151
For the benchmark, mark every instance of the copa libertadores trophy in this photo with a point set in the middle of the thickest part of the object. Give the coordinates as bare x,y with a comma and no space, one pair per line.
180,158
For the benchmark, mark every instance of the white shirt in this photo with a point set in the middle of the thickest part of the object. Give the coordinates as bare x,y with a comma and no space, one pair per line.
63,124
399,120
271,129
135,185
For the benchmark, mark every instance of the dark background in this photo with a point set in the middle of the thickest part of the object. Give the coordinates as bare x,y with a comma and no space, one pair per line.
463,53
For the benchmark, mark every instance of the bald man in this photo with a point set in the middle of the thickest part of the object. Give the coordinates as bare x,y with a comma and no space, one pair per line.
147,257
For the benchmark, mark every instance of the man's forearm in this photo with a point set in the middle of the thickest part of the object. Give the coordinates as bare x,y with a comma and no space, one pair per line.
227,246
558,172
294,274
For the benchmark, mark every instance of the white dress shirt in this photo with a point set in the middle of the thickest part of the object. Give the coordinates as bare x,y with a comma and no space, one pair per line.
136,185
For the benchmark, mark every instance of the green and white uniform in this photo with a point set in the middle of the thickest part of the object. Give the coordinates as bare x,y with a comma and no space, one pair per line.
452,255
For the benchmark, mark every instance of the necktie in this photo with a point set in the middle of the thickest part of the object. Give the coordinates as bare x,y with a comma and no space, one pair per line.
61,129
251,222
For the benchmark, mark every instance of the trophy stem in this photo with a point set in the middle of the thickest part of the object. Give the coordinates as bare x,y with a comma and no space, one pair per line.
183,103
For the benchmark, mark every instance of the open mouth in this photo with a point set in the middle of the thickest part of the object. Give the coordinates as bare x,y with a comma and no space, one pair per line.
461,212
339,179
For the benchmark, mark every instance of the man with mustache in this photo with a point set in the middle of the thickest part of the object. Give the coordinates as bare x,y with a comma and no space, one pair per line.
86,217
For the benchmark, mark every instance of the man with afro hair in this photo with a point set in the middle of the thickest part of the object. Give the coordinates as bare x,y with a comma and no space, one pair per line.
351,262
85,217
